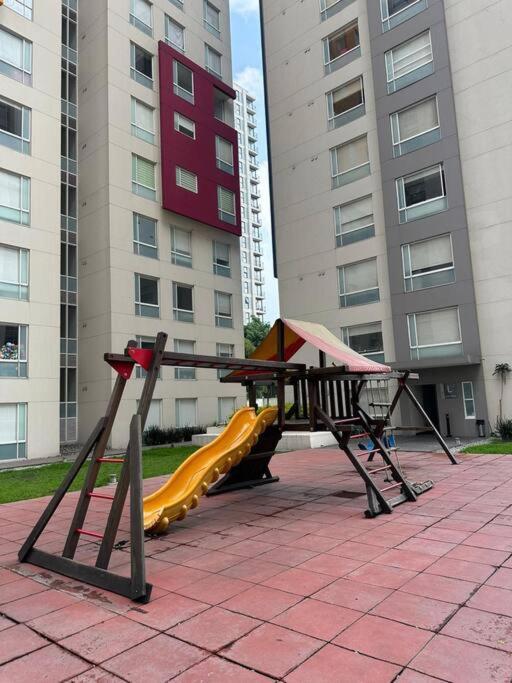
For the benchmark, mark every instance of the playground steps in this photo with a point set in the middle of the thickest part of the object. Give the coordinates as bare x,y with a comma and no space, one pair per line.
377,491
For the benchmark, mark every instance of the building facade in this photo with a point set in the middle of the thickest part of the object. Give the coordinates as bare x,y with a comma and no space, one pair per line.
251,244
124,169
388,210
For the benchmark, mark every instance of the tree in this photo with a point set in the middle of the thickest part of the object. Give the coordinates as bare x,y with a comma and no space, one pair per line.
254,333
502,370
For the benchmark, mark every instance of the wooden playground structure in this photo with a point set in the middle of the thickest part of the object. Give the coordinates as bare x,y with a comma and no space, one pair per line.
324,398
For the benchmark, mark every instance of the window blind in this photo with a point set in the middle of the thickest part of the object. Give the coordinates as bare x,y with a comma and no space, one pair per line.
430,254
360,276
186,179
144,172
412,54
438,327
418,119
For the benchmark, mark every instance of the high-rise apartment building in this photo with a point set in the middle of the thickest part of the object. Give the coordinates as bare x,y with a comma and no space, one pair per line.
390,147
118,159
251,247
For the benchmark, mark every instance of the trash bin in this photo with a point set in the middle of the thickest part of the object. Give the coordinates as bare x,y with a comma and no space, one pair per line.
480,426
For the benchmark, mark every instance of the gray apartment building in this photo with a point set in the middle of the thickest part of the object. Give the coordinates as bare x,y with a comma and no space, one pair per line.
391,148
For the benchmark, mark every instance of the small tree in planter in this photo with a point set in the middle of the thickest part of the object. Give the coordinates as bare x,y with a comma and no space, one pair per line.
502,371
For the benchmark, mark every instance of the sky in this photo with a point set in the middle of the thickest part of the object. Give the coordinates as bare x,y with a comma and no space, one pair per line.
248,72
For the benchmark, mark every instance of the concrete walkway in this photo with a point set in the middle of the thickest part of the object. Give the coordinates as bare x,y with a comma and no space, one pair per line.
288,582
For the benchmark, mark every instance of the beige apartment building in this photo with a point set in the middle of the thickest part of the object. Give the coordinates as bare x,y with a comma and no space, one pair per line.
81,183
390,150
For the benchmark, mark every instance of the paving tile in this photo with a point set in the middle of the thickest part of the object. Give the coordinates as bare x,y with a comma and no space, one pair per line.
458,661
317,619
166,612
7,576
357,551
312,542
214,561
481,555
177,576
261,602
5,623
352,594
51,664
440,588
501,579
19,589
449,535
272,650
33,606
405,559
214,629
17,641
332,565
383,639
481,627
492,599
69,620
410,676
254,570
381,575
415,610
217,670
299,581
96,675
288,556
460,569
429,547
214,589
108,639
157,659
250,548
491,541
333,664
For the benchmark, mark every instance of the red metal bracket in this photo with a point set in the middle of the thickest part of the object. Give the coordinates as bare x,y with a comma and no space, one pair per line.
144,357
123,368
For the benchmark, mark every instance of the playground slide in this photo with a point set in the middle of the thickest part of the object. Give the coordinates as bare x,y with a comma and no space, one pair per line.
191,480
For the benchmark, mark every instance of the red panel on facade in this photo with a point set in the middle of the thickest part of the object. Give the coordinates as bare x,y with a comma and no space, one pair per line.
197,156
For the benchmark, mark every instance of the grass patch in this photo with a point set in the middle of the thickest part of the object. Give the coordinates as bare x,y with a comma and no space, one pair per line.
496,447
35,482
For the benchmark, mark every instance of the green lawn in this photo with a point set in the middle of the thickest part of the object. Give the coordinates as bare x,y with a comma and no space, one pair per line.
496,447
34,482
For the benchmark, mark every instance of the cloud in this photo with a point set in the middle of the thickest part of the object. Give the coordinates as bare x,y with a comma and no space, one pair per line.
245,7
251,79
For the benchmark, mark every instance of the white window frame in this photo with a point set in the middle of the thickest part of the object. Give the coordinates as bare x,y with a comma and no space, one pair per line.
139,131
182,314
138,243
221,164
178,257
220,399
147,191
208,51
417,347
331,116
222,320
342,285
391,77
469,400
139,304
20,444
137,75
406,256
22,74
22,285
170,20
220,268
24,8
226,216
377,356
23,208
179,89
343,29
338,222
183,372
20,143
177,410
214,30
389,21
221,352
183,172
145,342
403,209
137,21
336,175
181,121
20,363
395,124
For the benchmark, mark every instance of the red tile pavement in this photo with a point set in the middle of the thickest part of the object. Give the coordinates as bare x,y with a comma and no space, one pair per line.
457,661
285,582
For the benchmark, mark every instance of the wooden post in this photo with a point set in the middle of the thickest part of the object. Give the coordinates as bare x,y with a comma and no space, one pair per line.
313,401
138,564
281,390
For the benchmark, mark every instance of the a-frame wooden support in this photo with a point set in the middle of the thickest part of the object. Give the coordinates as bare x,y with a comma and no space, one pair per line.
134,586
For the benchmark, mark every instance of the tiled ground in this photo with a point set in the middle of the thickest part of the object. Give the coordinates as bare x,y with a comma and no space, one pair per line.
288,582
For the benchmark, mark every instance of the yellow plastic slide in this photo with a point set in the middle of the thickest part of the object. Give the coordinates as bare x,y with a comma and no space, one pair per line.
193,477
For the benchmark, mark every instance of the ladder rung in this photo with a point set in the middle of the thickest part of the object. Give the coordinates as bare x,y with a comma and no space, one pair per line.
360,454
104,496
113,460
84,532
380,405
393,486
359,436
380,469
348,420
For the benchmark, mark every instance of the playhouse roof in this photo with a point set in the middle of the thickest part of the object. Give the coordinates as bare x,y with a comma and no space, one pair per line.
298,332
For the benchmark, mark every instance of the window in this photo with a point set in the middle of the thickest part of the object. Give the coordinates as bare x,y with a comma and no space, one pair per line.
174,34
339,44
366,340
346,103
143,124
435,334
223,107
183,302
222,259
177,3
23,7
186,412
144,236
409,62
223,310
358,283
183,78
13,273
225,351
143,177
224,154
226,204
350,162
213,61
394,12
186,179
145,343
211,18
428,263
146,296
415,127
227,407
140,15
14,198
13,431
468,397
184,346
184,125
154,418
15,126
421,194
354,221
330,7
13,350
181,247
141,65
15,57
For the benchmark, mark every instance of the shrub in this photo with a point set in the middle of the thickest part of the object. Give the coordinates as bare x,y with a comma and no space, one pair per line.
157,436
504,428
